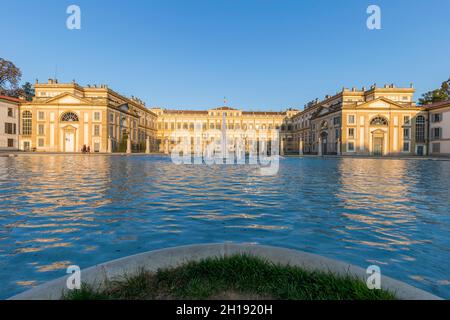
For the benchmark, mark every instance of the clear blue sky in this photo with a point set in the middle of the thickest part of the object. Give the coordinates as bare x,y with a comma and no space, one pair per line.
261,54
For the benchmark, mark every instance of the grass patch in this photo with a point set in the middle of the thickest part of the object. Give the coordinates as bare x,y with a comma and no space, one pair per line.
235,277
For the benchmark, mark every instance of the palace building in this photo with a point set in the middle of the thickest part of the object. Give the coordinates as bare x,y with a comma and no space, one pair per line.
378,121
439,114
67,118
233,120
9,123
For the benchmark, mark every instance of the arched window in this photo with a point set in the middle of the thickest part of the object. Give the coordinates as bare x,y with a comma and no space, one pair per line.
27,125
420,129
69,117
379,121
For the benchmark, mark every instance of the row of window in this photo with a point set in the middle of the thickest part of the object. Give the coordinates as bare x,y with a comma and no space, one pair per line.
218,126
406,133
406,146
66,117
41,130
378,120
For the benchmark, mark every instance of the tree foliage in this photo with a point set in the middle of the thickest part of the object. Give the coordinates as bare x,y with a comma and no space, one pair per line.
27,91
441,94
10,77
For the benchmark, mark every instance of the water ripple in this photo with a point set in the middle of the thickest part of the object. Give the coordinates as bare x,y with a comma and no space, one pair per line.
84,210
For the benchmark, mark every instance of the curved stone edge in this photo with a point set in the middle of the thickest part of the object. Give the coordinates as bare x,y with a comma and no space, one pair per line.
98,275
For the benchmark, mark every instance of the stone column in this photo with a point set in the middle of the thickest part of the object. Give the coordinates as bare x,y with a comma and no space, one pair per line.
338,148
300,148
129,145
109,145
147,145
282,147
319,153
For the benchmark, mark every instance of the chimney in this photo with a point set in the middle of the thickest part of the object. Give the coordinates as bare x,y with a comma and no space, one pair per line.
50,81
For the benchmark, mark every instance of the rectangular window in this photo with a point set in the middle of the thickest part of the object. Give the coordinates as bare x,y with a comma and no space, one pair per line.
40,142
351,119
351,147
436,117
406,120
406,134
337,121
41,129
406,146
336,134
96,116
10,128
41,115
111,131
351,132
436,133
96,147
96,130
436,148
111,117
10,112
10,143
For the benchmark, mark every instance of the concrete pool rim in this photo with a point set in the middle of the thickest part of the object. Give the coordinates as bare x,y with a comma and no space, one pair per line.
176,256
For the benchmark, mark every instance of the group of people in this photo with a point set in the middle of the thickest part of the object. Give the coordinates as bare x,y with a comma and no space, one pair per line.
86,149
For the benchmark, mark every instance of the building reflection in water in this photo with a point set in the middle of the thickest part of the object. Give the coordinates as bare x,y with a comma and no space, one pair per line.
61,210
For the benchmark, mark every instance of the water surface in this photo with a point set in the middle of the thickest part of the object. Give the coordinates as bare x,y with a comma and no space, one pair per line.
61,210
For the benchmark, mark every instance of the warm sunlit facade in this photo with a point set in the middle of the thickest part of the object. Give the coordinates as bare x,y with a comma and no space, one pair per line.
236,121
378,121
439,114
375,121
9,123
67,117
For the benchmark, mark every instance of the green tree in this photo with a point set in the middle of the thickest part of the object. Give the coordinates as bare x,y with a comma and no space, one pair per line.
441,94
27,91
10,77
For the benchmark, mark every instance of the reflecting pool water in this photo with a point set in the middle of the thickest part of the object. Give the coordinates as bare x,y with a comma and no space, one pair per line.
61,210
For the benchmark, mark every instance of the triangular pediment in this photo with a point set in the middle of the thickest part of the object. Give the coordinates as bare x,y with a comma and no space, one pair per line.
67,98
381,104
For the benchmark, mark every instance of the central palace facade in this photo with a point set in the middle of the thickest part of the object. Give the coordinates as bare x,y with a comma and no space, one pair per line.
374,121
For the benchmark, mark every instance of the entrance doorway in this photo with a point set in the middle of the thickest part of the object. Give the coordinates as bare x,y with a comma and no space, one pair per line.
420,151
378,146
26,146
324,137
69,145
